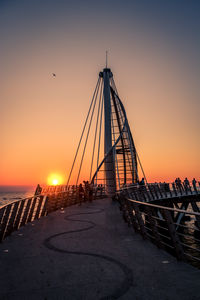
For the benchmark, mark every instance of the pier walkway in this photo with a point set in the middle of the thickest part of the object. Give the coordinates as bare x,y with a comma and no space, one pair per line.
88,252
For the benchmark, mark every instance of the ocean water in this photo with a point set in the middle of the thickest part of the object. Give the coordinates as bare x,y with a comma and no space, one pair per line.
10,193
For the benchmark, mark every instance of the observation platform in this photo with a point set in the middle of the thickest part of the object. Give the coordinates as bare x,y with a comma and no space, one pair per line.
88,252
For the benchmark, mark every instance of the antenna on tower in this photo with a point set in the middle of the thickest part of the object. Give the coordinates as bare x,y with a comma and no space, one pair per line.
106,58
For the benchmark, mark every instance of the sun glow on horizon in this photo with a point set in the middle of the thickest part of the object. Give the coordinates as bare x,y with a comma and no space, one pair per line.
55,179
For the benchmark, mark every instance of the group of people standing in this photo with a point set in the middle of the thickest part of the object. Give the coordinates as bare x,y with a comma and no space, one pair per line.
85,192
185,185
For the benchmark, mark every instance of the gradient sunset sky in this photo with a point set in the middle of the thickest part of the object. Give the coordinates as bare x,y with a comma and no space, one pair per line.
154,54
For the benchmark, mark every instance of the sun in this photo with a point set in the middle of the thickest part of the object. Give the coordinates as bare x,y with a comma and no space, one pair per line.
54,179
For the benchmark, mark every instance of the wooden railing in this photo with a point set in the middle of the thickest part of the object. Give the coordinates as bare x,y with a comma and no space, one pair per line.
160,225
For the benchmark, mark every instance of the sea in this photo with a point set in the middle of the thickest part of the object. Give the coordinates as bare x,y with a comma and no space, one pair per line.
10,193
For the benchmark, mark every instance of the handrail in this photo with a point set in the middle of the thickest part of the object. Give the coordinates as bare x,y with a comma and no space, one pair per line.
18,213
164,207
161,191
18,200
172,229
155,183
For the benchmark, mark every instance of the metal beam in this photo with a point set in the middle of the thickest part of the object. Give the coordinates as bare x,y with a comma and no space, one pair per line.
109,162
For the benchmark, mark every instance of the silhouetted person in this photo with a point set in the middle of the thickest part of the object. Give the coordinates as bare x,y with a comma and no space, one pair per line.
176,182
179,184
80,193
86,190
142,182
186,184
38,190
90,192
194,182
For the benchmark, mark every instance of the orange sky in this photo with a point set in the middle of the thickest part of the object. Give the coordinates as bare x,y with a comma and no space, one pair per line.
42,116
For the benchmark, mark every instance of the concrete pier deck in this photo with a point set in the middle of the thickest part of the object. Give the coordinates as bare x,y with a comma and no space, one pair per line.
88,252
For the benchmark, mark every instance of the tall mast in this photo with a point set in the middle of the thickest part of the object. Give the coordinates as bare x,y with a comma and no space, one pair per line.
109,162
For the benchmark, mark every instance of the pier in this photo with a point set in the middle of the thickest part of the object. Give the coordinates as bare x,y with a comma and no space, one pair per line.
89,252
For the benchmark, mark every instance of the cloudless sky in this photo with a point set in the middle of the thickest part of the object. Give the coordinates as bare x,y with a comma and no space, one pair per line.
154,55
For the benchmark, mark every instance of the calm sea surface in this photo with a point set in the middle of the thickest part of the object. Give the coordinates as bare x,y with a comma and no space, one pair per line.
10,193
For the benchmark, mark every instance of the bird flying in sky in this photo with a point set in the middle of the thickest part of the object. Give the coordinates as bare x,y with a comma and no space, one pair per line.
54,75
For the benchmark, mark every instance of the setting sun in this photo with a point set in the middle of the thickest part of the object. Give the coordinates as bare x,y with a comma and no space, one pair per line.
55,179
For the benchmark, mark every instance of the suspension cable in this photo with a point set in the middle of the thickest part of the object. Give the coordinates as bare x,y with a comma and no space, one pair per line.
88,133
97,85
100,126
94,145
141,166
109,151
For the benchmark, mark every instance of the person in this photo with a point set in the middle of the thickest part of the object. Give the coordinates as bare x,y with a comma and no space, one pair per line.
80,193
194,182
142,182
38,190
179,184
186,184
90,192
86,190
176,182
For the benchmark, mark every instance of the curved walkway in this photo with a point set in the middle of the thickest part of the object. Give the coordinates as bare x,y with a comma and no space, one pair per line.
88,252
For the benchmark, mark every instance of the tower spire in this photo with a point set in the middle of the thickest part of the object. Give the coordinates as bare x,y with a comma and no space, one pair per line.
106,59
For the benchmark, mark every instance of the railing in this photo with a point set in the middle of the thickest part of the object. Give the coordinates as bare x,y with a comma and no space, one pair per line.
158,191
98,190
160,225
20,212
57,200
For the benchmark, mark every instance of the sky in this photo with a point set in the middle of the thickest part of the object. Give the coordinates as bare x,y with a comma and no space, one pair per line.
154,51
